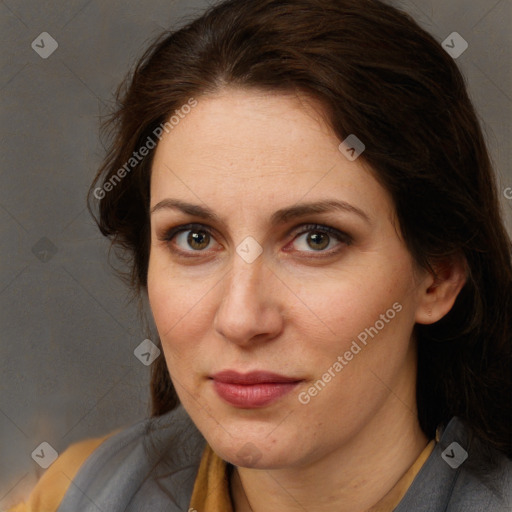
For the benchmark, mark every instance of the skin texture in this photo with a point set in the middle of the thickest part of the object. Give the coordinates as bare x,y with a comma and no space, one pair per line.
245,154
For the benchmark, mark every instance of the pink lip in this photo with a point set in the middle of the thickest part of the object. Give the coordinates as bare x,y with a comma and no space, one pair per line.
252,390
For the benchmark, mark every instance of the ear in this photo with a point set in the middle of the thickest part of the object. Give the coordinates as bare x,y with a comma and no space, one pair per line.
440,289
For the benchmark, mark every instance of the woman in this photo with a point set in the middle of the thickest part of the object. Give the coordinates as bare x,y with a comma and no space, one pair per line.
306,200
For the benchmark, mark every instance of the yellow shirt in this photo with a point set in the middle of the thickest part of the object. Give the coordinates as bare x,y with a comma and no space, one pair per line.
211,487
51,487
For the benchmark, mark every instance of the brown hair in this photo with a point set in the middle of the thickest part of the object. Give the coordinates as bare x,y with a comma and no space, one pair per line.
380,76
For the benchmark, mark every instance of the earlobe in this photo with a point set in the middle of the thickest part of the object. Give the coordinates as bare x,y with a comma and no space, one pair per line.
441,290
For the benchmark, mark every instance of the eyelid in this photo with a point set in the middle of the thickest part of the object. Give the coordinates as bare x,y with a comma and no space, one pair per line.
312,255
336,233
303,228
169,234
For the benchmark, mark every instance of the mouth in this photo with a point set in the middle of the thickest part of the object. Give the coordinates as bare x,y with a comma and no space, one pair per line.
252,390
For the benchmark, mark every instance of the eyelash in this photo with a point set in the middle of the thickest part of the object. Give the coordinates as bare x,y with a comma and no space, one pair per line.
340,236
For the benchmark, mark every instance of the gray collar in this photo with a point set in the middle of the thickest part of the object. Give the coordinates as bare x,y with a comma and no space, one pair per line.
152,466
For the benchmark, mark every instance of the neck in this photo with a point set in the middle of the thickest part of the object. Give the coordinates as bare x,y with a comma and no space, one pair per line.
352,478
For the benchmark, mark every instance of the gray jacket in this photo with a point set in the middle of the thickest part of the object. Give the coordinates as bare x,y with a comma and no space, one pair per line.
151,467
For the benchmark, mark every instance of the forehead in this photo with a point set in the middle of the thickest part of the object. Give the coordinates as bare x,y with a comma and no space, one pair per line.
260,148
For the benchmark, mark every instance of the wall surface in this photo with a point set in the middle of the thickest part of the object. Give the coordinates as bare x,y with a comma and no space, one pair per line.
67,364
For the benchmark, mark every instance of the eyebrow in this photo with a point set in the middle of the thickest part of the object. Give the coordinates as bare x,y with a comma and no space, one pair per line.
279,217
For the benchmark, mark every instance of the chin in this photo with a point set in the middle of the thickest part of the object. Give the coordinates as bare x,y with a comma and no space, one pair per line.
258,452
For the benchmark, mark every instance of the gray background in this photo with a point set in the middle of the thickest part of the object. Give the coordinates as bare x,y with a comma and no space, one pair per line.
67,369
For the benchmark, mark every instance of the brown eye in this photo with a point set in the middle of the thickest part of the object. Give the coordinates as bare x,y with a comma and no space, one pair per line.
190,238
317,240
322,239
198,240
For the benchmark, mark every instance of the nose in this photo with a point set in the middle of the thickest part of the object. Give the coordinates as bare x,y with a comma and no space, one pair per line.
250,310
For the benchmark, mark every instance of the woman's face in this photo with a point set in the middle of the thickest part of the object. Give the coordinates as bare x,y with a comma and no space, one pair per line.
271,251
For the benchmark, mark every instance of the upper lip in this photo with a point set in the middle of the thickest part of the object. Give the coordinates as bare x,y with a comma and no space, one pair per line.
255,377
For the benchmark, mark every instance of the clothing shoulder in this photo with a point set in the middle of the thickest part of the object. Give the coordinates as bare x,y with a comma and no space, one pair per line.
149,466
461,475
484,482
52,486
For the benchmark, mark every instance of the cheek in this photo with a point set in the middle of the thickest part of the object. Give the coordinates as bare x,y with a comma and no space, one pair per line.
354,367
178,309
366,317
345,304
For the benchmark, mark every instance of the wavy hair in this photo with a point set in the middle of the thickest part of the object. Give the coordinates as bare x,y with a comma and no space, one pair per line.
376,74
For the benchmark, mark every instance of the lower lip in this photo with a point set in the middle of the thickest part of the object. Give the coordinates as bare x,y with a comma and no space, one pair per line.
254,395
